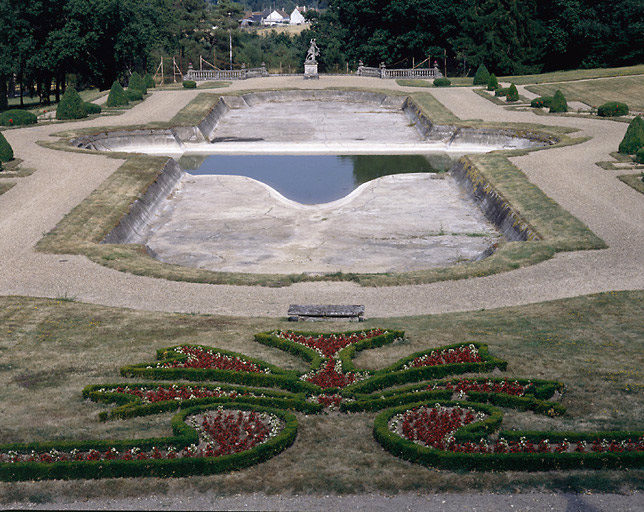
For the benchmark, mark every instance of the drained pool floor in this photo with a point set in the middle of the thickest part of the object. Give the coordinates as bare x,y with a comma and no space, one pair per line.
395,223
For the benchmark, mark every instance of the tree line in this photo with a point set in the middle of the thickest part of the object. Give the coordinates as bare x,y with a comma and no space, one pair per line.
509,36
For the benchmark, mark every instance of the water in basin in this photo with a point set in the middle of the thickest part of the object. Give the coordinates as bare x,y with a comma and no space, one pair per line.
315,179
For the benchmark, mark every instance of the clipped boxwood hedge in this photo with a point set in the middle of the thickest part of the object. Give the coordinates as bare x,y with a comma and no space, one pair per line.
612,109
6,151
541,102
189,84
501,91
442,82
133,94
16,117
92,108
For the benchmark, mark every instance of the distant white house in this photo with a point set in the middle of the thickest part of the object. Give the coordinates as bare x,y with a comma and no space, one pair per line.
277,17
297,18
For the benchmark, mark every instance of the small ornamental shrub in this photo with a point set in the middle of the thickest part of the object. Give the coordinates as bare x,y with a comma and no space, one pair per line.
117,97
612,109
502,91
541,102
6,153
442,82
558,103
190,84
17,118
482,75
133,94
149,81
93,108
513,94
137,82
71,106
639,156
492,83
634,138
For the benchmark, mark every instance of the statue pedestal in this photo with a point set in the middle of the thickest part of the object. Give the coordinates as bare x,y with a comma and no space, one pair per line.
311,71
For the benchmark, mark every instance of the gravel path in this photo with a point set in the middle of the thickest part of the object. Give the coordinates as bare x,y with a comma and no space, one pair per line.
611,209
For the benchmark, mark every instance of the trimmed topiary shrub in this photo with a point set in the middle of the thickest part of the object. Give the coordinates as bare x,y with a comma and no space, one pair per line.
541,102
639,156
71,106
117,97
612,109
149,81
513,93
6,152
442,82
501,91
137,82
190,84
634,138
492,83
134,94
93,108
17,117
558,103
482,75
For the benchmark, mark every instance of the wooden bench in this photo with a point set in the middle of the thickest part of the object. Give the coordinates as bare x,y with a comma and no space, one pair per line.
319,312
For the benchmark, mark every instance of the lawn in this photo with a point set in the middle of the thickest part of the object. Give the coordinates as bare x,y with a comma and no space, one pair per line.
51,349
573,74
627,89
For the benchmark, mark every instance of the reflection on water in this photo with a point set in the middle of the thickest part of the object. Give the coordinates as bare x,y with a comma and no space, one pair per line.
314,179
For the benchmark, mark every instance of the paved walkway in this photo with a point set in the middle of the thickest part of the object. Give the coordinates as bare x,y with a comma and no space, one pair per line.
62,180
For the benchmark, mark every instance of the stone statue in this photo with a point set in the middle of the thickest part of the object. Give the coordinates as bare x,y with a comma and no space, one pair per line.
313,52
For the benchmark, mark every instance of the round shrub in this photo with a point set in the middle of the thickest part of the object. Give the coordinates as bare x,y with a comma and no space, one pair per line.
492,83
149,81
634,138
558,103
17,118
93,108
117,97
190,84
482,75
133,94
6,153
513,93
541,102
71,106
612,109
137,82
639,156
501,91
442,82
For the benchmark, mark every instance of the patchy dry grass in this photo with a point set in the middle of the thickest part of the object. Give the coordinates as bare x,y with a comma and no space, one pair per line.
419,82
51,349
5,187
627,89
633,181
573,75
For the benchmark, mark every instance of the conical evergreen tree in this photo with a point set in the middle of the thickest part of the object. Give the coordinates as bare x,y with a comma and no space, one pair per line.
6,152
558,103
71,106
137,82
149,81
492,83
513,93
482,75
634,138
117,96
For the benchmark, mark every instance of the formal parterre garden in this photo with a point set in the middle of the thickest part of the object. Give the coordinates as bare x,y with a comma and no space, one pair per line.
441,407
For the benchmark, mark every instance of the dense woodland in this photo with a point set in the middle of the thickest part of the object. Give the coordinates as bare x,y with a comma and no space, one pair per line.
45,44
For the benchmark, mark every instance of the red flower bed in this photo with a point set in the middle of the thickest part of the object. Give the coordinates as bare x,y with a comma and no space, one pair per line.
207,359
432,425
233,431
164,394
464,354
465,385
330,401
328,346
329,377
